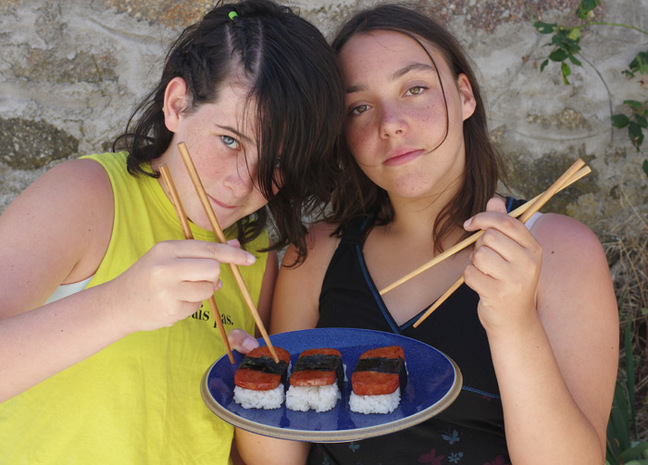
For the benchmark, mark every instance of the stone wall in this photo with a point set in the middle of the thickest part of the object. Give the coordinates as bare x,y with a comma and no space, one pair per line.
71,72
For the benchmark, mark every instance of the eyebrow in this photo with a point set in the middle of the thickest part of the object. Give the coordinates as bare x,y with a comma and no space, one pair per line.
236,132
396,74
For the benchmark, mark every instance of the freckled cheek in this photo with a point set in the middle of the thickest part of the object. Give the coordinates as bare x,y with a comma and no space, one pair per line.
357,139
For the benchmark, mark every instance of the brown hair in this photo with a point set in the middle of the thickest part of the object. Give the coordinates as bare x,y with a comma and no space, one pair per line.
356,194
296,85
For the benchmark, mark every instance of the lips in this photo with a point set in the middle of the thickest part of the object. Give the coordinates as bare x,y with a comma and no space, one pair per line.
402,156
220,204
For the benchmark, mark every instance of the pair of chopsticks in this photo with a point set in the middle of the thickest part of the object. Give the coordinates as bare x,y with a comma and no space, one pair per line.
213,221
524,212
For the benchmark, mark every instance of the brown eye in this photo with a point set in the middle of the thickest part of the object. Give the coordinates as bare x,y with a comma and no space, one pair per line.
416,90
359,109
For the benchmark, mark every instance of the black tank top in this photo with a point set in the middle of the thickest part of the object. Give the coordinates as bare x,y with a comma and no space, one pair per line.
468,432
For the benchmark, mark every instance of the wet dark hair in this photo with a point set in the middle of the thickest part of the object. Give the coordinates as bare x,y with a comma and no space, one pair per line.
356,194
297,88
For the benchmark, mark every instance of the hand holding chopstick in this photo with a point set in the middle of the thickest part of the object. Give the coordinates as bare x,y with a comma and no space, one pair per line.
575,172
473,238
186,229
213,221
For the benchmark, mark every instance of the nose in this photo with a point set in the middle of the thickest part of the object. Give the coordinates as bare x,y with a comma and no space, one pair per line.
391,123
241,179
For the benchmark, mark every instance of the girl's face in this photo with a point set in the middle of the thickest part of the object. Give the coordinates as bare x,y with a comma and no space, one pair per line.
220,138
397,116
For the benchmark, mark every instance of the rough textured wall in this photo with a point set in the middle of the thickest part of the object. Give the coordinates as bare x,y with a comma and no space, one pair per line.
71,72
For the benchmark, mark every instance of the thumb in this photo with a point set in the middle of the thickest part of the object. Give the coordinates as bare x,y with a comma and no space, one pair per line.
496,204
241,341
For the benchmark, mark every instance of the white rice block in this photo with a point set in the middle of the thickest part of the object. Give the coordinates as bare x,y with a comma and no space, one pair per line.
382,403
267,400
318,398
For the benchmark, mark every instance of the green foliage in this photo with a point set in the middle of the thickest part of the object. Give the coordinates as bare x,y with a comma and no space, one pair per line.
565,41
622,449
637,66
636,123
585,10
566,46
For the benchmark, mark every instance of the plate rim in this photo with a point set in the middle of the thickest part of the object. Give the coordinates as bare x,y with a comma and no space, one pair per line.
334,435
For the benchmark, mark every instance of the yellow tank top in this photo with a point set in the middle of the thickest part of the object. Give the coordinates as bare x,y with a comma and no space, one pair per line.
137,401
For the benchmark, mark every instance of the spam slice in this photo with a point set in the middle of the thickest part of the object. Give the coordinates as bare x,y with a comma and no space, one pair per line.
316,380
259,379
377,380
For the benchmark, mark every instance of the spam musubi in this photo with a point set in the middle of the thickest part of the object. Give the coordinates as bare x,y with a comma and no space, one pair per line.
316,381
377,380
259,380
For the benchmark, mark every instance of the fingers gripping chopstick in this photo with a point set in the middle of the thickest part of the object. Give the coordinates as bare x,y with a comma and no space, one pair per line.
186,229
202,195
524,212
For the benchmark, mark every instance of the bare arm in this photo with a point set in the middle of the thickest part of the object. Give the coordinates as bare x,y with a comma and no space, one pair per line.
294,307
550,314
55,232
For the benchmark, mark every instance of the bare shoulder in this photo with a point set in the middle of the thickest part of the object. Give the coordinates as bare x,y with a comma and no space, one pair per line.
567,242
575,291
321,245
296,300
84,180
57,229
553,228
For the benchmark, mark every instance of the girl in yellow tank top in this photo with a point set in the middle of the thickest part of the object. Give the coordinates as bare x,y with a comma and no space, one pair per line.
110,373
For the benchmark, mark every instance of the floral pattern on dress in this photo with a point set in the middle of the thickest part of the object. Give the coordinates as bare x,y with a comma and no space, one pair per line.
499,460
431,458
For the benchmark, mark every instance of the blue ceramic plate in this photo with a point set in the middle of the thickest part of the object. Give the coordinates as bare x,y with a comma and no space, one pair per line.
434,381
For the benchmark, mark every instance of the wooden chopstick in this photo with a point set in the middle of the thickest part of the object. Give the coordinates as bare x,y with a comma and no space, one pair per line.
186,229
574,173
473,238
200,190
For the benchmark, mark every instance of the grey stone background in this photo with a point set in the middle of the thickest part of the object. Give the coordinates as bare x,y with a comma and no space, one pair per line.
71,72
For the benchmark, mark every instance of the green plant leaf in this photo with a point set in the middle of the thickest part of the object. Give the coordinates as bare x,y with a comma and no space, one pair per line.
544,64
639,64
558,55
636,452
574,34
641,120
566,72
636,135
574,60
544,28
645,167
620,121
633,103
630,373
585,9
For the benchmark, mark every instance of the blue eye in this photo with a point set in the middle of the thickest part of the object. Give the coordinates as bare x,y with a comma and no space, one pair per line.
230,142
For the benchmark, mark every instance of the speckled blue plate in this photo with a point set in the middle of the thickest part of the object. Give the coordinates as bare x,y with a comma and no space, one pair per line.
434,381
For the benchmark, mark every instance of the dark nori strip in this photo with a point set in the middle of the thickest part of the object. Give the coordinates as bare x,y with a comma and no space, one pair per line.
322,362
265,364
395,366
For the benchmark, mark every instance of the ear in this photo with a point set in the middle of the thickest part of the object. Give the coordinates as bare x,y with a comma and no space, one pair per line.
175,99
467,98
